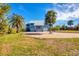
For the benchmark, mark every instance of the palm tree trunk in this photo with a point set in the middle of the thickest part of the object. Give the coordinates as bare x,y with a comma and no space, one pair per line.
50,29
17,29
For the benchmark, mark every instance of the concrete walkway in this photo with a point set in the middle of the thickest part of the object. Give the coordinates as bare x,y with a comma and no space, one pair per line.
53,35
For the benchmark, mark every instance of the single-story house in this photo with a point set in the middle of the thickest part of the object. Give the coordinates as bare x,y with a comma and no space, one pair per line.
31,27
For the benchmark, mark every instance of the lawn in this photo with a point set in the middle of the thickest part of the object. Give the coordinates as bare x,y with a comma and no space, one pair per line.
22,45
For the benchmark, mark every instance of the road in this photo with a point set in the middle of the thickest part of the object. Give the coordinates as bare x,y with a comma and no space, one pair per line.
53,35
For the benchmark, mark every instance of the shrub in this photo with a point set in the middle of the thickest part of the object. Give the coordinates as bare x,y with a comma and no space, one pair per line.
57,28
12,30
50,29
63,27
4,30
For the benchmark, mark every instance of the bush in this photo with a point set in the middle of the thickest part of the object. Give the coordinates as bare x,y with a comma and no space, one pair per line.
63,27
12,30
54,28
4,30
50,29
57,28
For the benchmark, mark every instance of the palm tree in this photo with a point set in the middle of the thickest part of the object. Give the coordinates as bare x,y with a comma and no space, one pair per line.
50,19
70,22
17,22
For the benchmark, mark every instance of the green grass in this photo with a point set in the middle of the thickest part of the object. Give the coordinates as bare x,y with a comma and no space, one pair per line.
21,45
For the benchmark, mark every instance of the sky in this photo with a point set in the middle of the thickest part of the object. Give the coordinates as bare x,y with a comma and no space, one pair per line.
35,12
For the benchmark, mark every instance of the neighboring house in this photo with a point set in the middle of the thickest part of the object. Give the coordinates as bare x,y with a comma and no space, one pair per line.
31,27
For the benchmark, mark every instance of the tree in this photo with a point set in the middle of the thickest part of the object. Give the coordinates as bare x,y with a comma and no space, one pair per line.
77,27
3,26
63,27
17,22
50,19
70,22
4,8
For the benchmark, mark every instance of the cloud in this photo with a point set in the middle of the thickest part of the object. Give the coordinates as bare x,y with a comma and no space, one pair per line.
68,16
66,11
37,22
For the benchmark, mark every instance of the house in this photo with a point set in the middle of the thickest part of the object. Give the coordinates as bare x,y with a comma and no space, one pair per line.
31,27
39,28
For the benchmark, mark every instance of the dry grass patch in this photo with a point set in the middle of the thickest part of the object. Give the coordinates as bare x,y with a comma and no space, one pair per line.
21,45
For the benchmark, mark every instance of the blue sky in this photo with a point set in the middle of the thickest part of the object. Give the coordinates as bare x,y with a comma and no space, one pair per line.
35,12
